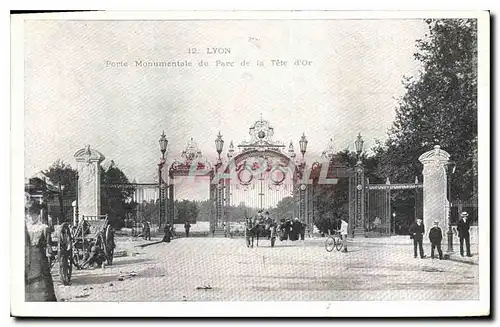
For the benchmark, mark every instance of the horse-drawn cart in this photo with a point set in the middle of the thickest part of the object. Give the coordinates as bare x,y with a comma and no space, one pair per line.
259,230
91,241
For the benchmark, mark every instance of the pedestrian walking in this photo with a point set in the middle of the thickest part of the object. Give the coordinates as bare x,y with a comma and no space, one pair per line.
343,233
463,227
417,231
39,286
146,231
436,236
187,226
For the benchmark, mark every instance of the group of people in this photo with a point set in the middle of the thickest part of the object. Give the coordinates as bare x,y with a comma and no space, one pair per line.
168,231
292,229
417,231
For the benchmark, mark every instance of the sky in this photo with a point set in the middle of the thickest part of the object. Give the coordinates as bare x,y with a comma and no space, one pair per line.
74,96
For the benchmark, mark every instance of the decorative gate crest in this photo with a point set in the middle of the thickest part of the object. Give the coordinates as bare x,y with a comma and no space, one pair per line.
191,155
261,138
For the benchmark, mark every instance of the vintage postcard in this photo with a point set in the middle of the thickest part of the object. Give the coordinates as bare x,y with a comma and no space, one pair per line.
196,164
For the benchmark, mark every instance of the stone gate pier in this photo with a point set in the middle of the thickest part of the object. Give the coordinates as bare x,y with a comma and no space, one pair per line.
88,163
435,184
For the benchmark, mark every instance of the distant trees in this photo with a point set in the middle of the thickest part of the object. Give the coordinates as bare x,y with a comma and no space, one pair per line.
439,107
116,201
65,178
186,211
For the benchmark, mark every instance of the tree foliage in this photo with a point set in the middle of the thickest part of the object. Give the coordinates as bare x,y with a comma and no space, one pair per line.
186,211
62,174
115,201
439,107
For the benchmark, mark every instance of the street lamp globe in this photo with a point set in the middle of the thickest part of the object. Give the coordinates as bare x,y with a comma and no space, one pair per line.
303,144
359,144
163,144
219,143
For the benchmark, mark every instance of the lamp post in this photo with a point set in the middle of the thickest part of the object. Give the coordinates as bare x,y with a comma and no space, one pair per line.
61,204
359,229
219,144
393,227
163,147
451,170
303,187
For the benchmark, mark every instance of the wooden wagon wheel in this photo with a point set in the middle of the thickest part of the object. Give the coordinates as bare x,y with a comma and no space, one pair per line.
109,244
81,252
65,253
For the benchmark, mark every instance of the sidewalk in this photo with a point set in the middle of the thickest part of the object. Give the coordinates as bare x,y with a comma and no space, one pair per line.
405,240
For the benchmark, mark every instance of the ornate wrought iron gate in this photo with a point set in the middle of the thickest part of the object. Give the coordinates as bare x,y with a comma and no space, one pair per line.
380,214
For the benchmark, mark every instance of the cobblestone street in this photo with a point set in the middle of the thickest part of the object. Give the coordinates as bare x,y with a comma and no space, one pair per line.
219,269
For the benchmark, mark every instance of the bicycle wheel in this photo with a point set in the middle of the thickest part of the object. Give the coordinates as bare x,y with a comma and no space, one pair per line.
338,243
329,244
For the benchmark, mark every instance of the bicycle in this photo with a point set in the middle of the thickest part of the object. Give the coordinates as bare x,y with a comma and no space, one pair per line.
334,242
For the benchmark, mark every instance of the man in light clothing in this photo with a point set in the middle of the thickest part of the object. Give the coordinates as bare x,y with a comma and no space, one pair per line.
343,233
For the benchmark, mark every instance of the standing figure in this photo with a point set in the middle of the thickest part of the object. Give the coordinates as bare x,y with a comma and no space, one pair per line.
268,220
344,226
302,231
287,227
417,231
436,236
168,233
296,227
146,231
39,285
187,226
463,227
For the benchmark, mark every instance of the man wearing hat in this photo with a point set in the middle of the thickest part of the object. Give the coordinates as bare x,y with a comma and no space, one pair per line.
417,231
463,227
436,236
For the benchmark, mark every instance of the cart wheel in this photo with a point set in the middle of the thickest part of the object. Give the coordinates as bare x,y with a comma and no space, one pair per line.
338,243
65,250
273,240
81,252
109,245
65,268
329,244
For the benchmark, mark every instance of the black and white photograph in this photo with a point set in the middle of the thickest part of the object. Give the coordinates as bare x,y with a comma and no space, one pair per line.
221,163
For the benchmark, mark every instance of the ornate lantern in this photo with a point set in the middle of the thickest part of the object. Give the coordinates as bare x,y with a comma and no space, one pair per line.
303,144
163,144
219,144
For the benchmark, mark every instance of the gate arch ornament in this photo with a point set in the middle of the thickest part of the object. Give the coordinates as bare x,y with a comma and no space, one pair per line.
260,172
192,163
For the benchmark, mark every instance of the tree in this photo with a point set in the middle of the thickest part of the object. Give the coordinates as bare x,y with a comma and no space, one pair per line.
186,211
439,107
66,179
332,201
285,208
115,200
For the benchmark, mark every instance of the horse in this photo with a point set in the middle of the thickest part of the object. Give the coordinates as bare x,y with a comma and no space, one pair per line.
258,230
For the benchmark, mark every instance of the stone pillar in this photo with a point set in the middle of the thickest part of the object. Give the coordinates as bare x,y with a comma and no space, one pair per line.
75,213
359,226
89,181
435,201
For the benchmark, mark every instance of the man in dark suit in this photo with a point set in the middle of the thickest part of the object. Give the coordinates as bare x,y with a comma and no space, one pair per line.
463,227
187,227
417,231
436,236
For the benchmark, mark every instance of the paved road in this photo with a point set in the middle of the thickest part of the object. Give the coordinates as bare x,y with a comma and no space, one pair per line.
218,269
